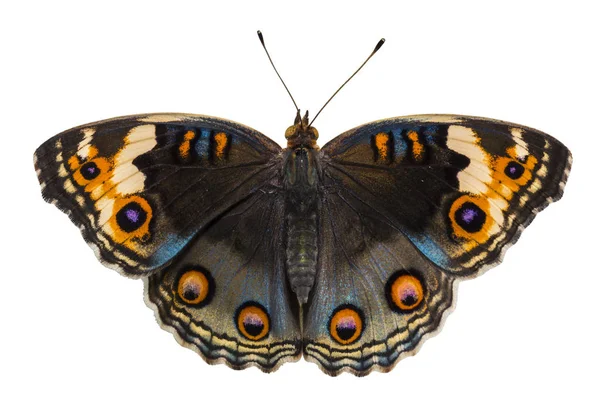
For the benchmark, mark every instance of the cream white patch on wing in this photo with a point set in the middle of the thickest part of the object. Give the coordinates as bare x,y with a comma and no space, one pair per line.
83,150
478,175
521,149
126,176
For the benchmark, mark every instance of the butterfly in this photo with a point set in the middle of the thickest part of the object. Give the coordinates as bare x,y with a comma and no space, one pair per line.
348,255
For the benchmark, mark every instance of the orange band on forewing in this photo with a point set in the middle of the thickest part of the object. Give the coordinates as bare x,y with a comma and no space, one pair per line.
417,147
221,141
185,146
382,144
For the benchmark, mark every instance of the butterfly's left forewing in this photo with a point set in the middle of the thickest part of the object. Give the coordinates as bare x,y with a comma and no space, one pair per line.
141,187
409,205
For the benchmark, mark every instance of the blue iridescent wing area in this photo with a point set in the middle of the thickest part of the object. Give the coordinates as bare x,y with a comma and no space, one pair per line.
456,190
141,187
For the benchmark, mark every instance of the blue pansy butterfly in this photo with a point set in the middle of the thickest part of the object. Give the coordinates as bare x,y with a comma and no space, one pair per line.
348,255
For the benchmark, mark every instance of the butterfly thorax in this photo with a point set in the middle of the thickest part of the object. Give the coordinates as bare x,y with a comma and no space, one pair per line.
301,134
301,188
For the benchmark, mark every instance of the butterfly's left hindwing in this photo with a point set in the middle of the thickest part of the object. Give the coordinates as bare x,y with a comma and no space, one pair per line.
141,187
226,297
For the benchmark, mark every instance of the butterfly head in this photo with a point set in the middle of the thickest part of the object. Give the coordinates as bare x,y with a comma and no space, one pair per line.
301,134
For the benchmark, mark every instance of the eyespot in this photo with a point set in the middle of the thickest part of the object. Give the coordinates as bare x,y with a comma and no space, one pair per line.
131,217
89,170
404,291
346,324
470,217
252,321
195,286
90,174
514,170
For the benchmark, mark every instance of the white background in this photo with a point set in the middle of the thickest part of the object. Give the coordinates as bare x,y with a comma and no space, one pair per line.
73,329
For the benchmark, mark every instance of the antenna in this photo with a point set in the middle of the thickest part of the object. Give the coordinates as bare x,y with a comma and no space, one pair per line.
262,41
377,47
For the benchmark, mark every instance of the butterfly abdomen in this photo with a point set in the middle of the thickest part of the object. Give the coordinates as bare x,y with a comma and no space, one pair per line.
301,181
301,253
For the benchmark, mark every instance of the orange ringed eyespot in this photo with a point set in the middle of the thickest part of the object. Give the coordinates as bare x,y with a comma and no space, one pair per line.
195,286
346,324
252,321
404,291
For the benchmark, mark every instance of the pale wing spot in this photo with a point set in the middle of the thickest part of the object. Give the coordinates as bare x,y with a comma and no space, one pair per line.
522,150
537,184
136,144
68,187
473,179
62,172
496,211
84,146
105,205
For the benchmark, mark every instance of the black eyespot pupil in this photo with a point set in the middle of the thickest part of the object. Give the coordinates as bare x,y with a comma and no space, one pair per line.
409,300
254,328
345,332
131,217
470,217
190,293
89,170
514,170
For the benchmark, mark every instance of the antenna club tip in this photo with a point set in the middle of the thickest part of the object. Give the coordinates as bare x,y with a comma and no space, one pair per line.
260,37
379,44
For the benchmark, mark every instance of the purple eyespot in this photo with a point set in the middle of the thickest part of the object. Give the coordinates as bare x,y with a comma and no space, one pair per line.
514,170
131,217
470,217
89,170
